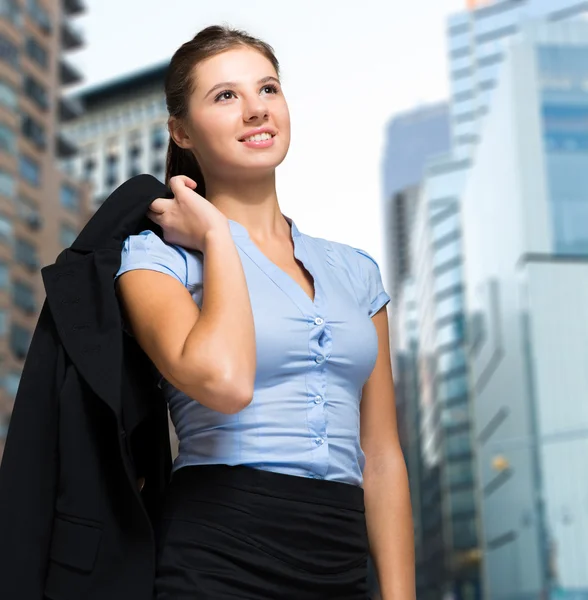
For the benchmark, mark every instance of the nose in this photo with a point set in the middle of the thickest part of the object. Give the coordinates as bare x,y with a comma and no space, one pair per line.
255,109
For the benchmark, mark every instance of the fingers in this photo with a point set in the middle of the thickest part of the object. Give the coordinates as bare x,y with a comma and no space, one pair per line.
177,182
160,205
153,216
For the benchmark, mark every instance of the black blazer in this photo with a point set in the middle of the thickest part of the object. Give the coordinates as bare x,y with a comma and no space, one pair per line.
88,420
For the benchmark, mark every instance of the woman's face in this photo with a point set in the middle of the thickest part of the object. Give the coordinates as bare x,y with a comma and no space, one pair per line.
238,121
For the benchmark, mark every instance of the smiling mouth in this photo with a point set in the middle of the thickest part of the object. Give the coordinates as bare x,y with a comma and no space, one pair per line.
259,137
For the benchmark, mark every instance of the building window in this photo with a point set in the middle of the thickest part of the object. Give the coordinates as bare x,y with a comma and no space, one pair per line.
11,383
8,97
20,339
452,332
8,52
39,15
33,131
449,306
459,473
455,416
135,151
450,278
464,533
462,502
7,139
112,163
26,254
458,444
158,169
3,322
447,226
69,198
445,253
159,137
37,52
450,389
7,184
30,170
28,212
23,296
4,276
9,9
89,166
67,235
451,361
36,92
5,230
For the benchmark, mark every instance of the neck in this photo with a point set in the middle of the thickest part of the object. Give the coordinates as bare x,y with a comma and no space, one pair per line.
253,204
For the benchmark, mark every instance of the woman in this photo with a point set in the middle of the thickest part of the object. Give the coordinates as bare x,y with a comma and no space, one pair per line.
266,340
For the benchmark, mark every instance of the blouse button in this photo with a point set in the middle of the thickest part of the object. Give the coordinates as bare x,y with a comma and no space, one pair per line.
319,359
319,321
317,399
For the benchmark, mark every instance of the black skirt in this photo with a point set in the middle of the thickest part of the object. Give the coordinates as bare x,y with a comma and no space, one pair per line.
238,532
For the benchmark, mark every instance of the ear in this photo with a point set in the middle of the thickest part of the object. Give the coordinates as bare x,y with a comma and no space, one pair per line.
178,133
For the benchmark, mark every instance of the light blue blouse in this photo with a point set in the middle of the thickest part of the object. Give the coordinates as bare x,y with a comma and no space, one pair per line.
313,358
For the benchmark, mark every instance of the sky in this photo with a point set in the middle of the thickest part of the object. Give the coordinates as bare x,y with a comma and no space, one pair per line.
347,66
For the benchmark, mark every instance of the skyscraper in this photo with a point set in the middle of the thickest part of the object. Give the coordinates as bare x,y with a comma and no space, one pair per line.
477,40
41,207
525,235
411,139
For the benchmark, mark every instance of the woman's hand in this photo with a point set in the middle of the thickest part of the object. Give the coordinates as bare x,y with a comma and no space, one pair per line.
187,218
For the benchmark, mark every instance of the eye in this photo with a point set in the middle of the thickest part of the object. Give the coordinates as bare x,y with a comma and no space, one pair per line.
270,89
224,96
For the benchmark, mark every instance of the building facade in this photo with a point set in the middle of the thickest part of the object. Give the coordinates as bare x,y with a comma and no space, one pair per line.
122,131
411,139
451,557
477,40
41,207
525,224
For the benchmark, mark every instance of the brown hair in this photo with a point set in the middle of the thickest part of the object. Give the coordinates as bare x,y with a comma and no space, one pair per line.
179,84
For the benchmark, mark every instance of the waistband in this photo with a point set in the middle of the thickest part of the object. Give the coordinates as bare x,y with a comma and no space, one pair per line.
269,483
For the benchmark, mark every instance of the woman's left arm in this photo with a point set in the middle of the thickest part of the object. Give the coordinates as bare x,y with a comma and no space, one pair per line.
385,481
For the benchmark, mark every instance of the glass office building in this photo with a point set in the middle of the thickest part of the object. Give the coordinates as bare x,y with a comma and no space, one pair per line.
477,43
563,74
525,242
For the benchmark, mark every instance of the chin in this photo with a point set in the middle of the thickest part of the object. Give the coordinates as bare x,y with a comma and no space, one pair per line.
263,161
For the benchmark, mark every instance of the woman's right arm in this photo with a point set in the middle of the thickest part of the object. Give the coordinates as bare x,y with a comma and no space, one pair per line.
208,354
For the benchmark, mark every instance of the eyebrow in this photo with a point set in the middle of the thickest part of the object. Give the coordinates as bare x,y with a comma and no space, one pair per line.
229,84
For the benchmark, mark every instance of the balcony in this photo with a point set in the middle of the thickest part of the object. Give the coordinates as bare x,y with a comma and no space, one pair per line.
65,147
73,7
71,37
69,109
68,74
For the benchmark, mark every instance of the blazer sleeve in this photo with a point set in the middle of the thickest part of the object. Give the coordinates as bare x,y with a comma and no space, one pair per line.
28,471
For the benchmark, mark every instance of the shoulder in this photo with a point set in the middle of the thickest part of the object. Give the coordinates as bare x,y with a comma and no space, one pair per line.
345,255
148,240
149,251
361,268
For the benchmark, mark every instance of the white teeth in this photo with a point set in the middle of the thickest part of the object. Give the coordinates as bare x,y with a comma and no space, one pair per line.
260,137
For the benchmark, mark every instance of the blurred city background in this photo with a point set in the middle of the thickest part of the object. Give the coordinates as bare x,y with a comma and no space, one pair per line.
475,204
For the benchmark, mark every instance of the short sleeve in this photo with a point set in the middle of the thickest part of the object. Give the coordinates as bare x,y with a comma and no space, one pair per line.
371,276
148,251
